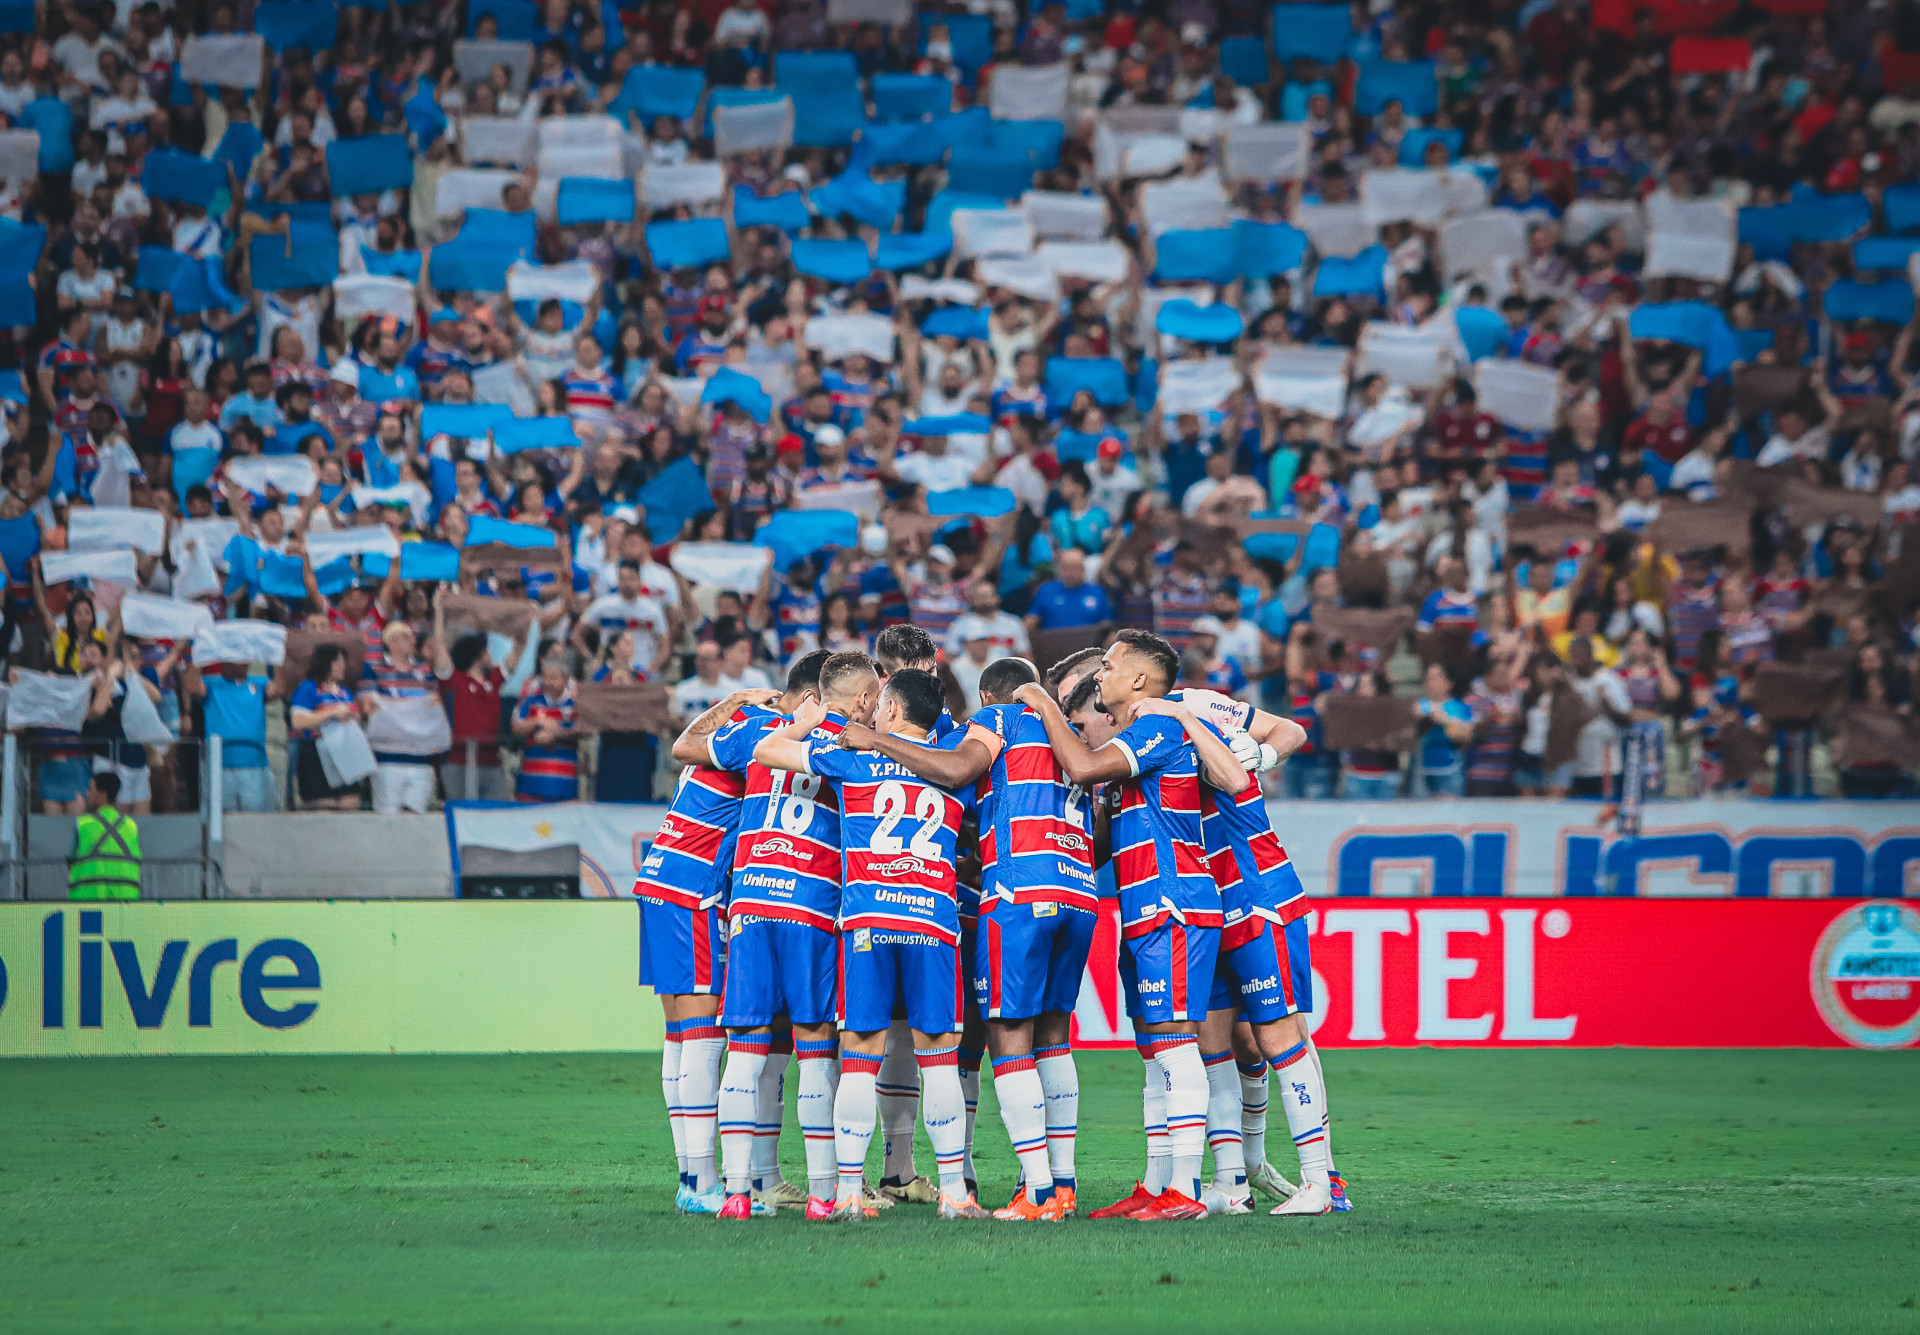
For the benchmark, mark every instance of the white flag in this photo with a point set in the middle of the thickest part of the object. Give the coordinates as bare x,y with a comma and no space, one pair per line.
19,155
103,528
146,617
1491,236
292,473
576,281
41,700
1520,394
373,294
361,540
116,567
1196,386
226,60
1100,261
1309,380
758,125
838,336
690,183
1272,151
1413,358
241,641
1186,203
732,566
471,188
1054,213
1028,93
991,232
1339,231
498,140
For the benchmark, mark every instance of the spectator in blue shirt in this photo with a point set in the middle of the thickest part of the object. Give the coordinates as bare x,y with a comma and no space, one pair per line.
234,709
1453,604
1068,601
1446,728
255,403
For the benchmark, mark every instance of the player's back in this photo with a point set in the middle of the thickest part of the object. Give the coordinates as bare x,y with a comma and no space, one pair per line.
1245,856
900,833
1159,850
691,858
1036,828
786,863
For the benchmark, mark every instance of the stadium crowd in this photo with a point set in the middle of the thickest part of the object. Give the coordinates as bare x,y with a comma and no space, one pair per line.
1482,387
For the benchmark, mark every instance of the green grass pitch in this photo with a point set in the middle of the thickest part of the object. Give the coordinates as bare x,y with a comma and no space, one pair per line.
1694,1191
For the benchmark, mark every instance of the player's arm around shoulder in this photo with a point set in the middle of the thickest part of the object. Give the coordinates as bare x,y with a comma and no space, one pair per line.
1078,761
789,747
1217,762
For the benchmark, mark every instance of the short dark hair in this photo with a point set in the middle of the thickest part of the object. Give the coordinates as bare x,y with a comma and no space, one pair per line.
1058,672
920,694
1160,655
1085,694
466,651
1002,677
843,667
804,675
320,666
899,646
108,784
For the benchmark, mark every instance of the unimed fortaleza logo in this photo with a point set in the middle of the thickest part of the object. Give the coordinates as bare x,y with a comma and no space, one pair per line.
75,989
1866,975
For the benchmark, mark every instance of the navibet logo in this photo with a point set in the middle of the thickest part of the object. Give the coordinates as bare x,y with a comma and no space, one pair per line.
151,985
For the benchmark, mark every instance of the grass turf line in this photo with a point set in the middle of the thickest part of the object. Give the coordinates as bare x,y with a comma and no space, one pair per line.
1541,1190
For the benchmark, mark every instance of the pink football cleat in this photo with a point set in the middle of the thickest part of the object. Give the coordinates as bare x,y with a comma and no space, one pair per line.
739,1206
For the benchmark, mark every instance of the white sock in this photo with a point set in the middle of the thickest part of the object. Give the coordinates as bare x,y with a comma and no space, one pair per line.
1023,1107
1223,1122
945,1106
702,1046
1253,1116
899,1089
1326,1110
819,1074
854,1110
1296,1088
1186,1088
670,1091
1153,1110
1060,1082
970,1089
769,1111
739,1094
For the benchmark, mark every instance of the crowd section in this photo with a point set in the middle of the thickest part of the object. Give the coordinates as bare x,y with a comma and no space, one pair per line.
1521,397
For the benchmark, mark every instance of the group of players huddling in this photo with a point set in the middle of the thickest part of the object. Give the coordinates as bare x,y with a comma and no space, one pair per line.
804,893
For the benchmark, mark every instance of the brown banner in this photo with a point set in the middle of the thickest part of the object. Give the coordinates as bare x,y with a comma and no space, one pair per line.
1363,577
1050,646
1567,715
1371,722
1743,752
1797,692
1451,645
1820,505
1685,527
1901,582
1872,412
497,616
1548,530
497,556
613,707
1355,627
1761,389
300,647
1878,735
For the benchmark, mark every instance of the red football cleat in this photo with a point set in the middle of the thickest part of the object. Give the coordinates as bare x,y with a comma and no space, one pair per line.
1171,1205
819,1208
1139,1199
739,1206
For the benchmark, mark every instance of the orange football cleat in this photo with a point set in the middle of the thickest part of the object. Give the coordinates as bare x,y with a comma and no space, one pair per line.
1139,1199
1022,1210
1171,1205
1069,1203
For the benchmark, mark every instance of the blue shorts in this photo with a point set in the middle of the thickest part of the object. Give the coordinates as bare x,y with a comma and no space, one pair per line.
779,968
1030,958
885,968
65,779
1269,976
1168,973
683,951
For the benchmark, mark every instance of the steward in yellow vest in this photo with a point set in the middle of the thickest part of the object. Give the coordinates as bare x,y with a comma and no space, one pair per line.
105,863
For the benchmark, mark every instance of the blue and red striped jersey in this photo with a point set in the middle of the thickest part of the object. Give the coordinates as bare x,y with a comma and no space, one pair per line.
900,833
1159,852
550,773
691,859
786,864
1036,828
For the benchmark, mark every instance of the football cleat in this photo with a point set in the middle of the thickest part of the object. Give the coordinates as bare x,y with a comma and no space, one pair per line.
682,1194
781,1192
1267,1181
914,1191
1138,1199
1171,1205
849,1207
1310,1199
1218,1200
961,1207
1337,1189
874,1201
708,1201
1022,1210
739,1206
1068,1201
818,1207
